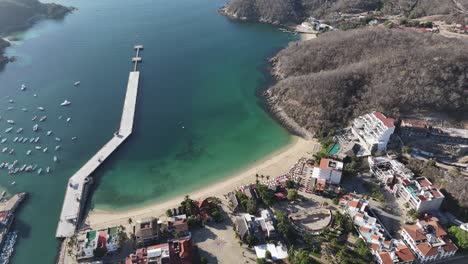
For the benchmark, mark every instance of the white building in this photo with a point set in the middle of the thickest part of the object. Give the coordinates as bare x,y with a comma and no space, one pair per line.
428,240
373,131
385,251
277,251
105,238
248,224
329,170
420,194
387,170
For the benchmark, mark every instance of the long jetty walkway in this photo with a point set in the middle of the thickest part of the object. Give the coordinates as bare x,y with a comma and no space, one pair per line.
75,196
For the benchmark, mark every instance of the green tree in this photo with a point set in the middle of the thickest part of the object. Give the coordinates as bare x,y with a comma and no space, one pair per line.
268,255
460,237
265,194
203,260
290,184
414,214
218,217
168,212
284,226
261,261
251,240
292,194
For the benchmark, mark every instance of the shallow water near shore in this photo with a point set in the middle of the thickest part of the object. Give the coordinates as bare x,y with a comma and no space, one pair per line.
199,118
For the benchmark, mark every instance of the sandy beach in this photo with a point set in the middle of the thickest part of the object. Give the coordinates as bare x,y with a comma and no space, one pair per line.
275,164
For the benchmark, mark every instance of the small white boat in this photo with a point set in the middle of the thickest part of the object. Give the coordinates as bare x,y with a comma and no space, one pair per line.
3,140
37,147
39,171
34,118
35,127
15,139
25,140
11,101
10,108
28,152
35,95
55,159
31,140
13,183
74,138
65,103
40,108
57,147
4,150
44,150
37,139
11,151
76,83
48,169
58,139
19,130
23,87
68,119
60,117
10,121
24,109
49,133
43,119
8,129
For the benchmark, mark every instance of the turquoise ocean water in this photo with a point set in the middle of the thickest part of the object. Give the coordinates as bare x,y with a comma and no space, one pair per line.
199,117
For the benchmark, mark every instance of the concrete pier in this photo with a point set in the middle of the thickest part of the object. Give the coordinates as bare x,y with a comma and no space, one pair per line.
75,195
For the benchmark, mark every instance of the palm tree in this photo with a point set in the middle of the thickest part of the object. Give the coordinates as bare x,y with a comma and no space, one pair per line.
130,221
268,177
263,176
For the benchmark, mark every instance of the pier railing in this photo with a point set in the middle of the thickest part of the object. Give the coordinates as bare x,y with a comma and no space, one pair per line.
76,192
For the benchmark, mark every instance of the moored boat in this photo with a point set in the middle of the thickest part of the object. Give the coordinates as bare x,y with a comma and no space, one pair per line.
65,103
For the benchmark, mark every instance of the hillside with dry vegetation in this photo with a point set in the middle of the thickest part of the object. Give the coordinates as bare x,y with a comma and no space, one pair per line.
325,82
296,11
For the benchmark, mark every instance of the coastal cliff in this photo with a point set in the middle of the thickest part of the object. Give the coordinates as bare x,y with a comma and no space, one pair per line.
324,83
281,12
16,15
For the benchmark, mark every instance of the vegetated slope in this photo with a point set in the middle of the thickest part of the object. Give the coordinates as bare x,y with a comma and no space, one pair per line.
327,81
295,11
17,14
20,14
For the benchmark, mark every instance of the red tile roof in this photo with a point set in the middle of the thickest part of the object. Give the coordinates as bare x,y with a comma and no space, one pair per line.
364,229
374,246
354,204
449,246
385,257
404,254
388,122
427,250
414,123
424,182
436,194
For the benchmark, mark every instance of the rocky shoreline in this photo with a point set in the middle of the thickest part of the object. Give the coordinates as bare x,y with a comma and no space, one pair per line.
31,11
279,114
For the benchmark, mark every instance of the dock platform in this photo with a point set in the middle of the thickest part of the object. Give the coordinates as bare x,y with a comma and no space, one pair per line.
75,195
